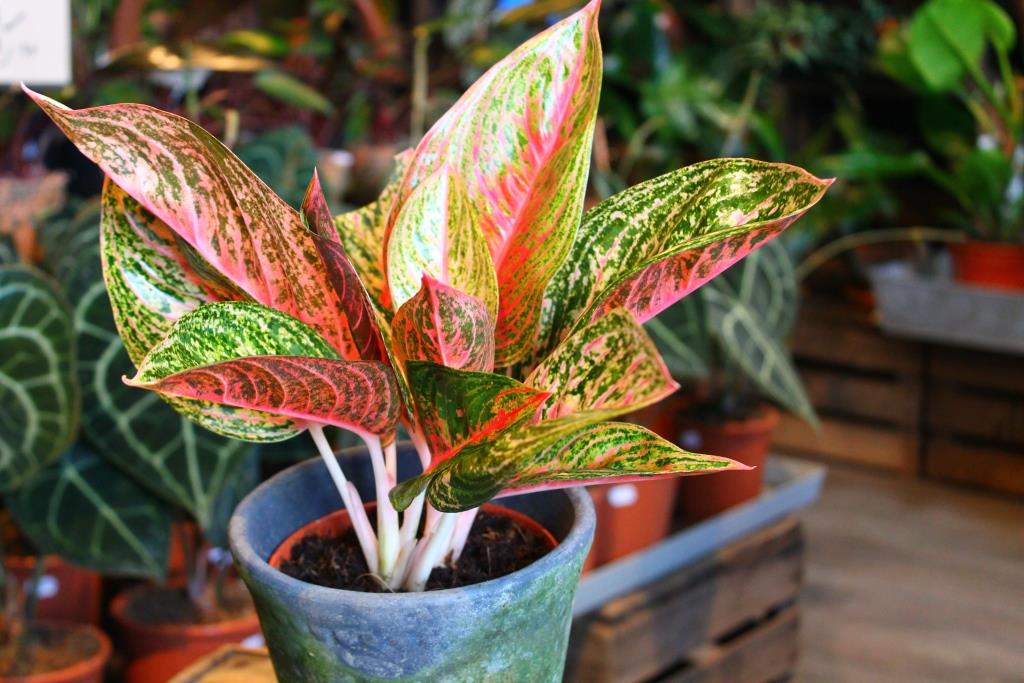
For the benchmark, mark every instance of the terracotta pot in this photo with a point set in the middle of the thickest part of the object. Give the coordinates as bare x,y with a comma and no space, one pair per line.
66,592
87,671
630,517
338,522
990,264
744,440
156,652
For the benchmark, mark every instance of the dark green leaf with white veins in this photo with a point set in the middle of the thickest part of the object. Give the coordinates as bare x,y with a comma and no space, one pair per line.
254,373
569,451
766,282
90,513
681,334
179,461
610,365
38,394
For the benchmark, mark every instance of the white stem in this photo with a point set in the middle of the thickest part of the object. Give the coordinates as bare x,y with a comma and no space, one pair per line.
350,498
462,527
411,520
433,515
422,449
391,461
402,566
387,517
433,554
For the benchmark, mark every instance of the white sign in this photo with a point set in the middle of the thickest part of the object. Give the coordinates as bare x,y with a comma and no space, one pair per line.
35,42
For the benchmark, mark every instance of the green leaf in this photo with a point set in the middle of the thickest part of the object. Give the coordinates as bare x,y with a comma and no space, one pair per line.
39,400
244,479
765,282
437,234
89,513
253,373
182,463
291,90
559,453
651,245
520,139
610,365
680,333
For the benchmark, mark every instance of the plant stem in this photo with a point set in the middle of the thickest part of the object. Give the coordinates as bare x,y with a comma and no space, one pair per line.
433,553
463,525
389,542
350,498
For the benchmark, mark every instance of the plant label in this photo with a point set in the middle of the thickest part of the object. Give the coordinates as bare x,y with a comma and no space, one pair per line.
35,42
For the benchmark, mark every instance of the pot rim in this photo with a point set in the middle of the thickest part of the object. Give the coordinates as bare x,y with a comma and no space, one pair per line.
764,419
119,606
584,520
95,662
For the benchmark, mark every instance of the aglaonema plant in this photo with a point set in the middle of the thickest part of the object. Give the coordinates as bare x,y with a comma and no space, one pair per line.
469,304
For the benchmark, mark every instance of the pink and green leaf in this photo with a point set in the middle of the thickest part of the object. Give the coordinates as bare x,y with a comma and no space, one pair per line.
610,365
568,451
437,234
361,233
446,326
204,193
651,245
251,372
520,138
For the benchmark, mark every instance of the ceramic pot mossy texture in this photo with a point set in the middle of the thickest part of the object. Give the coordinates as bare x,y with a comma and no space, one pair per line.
515,628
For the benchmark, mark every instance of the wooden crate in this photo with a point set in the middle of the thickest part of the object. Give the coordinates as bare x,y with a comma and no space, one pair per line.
866,388
230,664
975,419
730,617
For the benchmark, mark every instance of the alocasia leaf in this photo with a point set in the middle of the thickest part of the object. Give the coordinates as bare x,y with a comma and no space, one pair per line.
520,138
362,233
456,407
446,326
254,373
90,513
204,193
610,365
437,234
649,246
133,429
568,451
38,393
681,334
766,282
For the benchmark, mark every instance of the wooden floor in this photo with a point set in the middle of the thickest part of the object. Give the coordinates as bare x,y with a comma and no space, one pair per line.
912,581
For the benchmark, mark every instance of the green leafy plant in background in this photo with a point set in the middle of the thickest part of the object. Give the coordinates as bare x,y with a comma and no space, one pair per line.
956,56
470,304
90,469
731,335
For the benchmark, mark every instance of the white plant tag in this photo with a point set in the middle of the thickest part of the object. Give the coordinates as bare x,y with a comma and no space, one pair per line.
622,495
35,42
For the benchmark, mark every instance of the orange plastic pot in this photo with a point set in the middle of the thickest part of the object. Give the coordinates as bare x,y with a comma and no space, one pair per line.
89,670
989,264
66,592
630,517
156,652
746,441
338,522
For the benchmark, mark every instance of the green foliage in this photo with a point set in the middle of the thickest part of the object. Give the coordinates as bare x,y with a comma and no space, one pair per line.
283,158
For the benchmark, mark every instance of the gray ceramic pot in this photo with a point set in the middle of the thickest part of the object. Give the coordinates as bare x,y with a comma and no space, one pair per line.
515,628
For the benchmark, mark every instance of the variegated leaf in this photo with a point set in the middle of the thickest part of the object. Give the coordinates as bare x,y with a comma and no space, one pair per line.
92,514
446,326
354,299
610,365
204,193
38,394
520,138
362,233
647,247
254,373
457,407
569,451
437,234
150,279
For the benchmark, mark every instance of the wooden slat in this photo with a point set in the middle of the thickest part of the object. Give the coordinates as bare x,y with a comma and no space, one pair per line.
767,652
655,629
967,413
978,369
874,398
230,664
891,448
963,463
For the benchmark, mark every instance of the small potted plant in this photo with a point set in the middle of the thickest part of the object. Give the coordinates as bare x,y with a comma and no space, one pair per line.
972,123
731,337
469,305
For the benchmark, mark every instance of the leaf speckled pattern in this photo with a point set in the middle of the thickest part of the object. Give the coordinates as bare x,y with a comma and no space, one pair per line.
248,371
444,325
520,138
610,365
569,451
196,186
651,245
